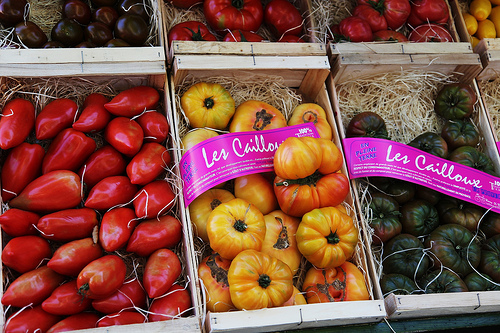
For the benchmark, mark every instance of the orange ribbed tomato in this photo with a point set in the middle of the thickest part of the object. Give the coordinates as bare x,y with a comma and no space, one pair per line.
296,299
312,113
256,188
255,115
326,237
213,272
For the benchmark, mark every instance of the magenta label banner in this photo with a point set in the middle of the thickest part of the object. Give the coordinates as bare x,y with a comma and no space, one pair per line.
232,155
367,157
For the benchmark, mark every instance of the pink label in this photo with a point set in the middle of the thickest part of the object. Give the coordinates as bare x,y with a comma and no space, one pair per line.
232,155
367,157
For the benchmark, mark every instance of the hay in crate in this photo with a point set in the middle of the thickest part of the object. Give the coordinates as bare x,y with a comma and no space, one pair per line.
41,91
490,90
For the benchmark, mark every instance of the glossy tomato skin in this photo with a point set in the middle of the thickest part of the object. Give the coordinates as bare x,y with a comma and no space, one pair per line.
430,32
133,101
355,29
490,264
68,32
185,3
111,191
396,12
26,253
404,254
12,12
101,277
190,30
374,18
98,33
77,321
242,36
389,35
68,151
54,117
132,28
258,190
283,18
213,272
148,163
16,122
290,39
77,10
162,269
21,166
431,143
71,257
136,7
154,199
154,234
56,190
428,11
458,133
30,34
116,227
455,101
65,300
105,14
130,294
367,124
227,14
32,287
125,135
68,224
398,284
16,222
154,125
419,217
122,318
445,281
104,162
174,304
472,157
253,115
31,319
386,217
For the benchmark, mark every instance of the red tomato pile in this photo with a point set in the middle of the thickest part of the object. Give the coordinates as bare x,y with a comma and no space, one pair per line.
240,21
264,224
385,20
90,235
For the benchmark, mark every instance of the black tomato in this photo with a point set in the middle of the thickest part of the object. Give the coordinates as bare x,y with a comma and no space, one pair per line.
98,33
107,15
68,32
133,7
30,34
12,12
116,42
132,29
77,10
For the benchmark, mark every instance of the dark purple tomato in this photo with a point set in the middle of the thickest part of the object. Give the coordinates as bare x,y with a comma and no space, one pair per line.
107,15
100,3
52,44
98,33
77,10
133,7
30,34
68,32
84,44
116,42
132,29
12,12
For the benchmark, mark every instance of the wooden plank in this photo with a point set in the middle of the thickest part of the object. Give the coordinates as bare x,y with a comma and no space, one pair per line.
400,48
182,325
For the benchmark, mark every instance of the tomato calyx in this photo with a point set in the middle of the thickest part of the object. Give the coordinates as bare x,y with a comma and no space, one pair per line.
310,117
240,225
309,180
84,290
238,4
209,102
215,203
262,119
282,242
196,36
333,238
264,281
217,272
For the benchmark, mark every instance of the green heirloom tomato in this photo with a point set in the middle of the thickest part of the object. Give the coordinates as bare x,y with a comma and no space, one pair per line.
419,218
490,258
427,194
402,191
458,133
398,284
431,143
453,247
367,124
442,282
490,224
455,101
480,282
456,211
404,254
385,218
473,158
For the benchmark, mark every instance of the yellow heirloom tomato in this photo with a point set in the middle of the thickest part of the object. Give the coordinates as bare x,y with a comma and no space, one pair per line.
257,189
208,105
255,115
234,226
197,135
312,113
257,281
296,299
326,237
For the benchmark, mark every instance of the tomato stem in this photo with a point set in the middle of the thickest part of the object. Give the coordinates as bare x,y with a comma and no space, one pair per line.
196,36
309,180
240,225
84,290
238,3
209,102
333,238
264,280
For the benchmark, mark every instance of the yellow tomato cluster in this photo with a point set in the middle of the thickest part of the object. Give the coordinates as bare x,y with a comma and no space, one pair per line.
482,20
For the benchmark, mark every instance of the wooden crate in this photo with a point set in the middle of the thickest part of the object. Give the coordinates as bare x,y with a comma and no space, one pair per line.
306,77
352,68
77,89
24,62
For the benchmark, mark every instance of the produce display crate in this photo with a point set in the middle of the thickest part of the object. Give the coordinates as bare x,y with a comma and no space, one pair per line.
268,47
352,72
42,90
327,13
304,76
20,60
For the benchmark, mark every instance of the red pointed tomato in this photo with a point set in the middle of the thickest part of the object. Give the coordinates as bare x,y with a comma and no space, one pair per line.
68,151
116,227
21,166
430,32
33,319
16,122
26,253
283,18
65,300
428,11
110,192
154,125
71,257
174,304
101,277
32,287
162,269
125,135
148,163
122,318
130,295
242,36
68,224
374,18
154,234
54,117
56,190
77,321
355,29
395,12
104,162
16,222
191,31
213,272
133,101
94,116
154,199
234,14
